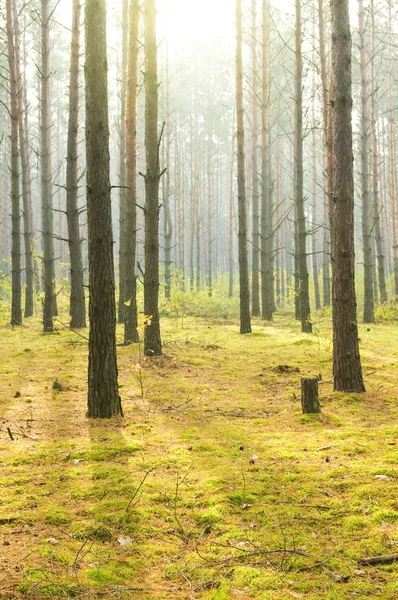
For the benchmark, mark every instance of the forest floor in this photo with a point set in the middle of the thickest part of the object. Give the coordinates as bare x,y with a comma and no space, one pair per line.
213,485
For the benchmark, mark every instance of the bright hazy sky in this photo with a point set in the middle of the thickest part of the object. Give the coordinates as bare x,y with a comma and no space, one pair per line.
190,20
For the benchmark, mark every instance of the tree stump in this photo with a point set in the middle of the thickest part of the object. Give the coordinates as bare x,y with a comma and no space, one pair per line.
309,395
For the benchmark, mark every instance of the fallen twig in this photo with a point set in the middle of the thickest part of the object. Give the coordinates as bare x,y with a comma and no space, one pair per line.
379,560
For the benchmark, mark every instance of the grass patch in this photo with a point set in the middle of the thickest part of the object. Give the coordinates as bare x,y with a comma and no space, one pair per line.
210,478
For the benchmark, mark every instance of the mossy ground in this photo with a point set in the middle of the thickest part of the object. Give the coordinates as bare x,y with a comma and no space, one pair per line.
213,486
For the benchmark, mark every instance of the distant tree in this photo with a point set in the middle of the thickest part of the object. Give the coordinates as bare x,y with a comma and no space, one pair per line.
152,341
347,371
376,204
245,326
77,307
103,395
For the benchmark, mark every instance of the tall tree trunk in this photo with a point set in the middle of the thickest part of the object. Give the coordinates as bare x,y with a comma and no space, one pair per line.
368,314
231,261
305,316
103,395
327,181
168,222
129,287
49,307
266,226
16,309
255,195
314,209
376,205
245,326
25,170
123,222
347,371
153,344
392,157
77,300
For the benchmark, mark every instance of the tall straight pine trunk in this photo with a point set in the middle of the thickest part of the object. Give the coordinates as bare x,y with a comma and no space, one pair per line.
129,287
301,229
347,371
77,307
25,172
16,307
376,204
327,177
266,223
49,307
245,326
368,310
152,341
103,394
255,195
124,231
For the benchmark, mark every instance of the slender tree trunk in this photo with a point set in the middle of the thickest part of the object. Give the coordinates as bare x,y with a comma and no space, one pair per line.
375,167
25,170
347,370
255,195
210,210
168,222
245,326
305,316
314,210
129,286
266,294
16,309
392,157
124,230
49,308
327,181
231,262
77,300
153,344
103,395
368,314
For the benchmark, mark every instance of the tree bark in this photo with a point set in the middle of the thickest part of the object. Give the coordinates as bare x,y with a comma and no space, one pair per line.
77,298
327,181
103,395
16,307
376,204
25,171
347,369
49,307
129,287
301,247
168,223
266,225
152,342
124,231
392,157
309,396
245,326
368,311
255,195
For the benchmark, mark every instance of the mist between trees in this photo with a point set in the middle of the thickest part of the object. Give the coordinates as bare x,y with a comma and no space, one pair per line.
221,164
